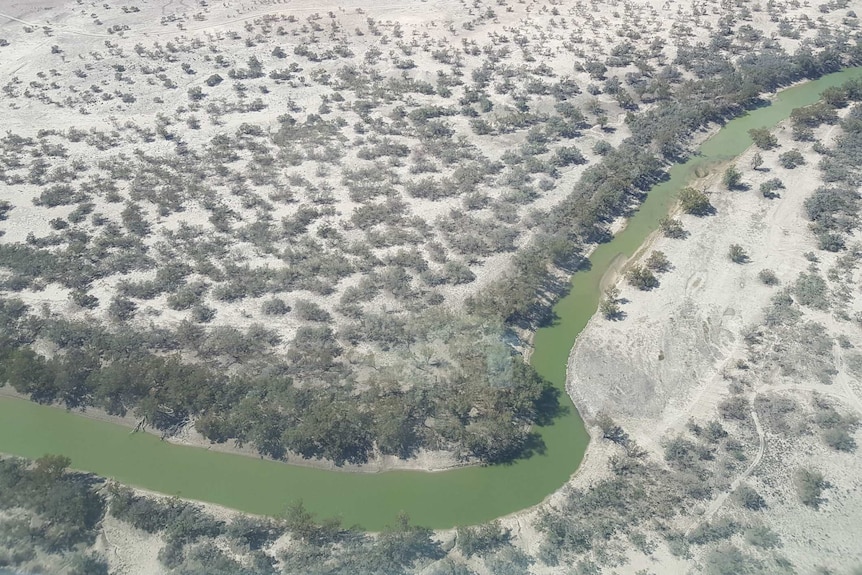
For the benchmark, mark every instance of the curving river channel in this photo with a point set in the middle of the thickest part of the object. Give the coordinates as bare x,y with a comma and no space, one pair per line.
373,500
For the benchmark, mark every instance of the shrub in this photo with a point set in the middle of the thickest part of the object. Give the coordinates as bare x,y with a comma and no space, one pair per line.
253,532
567,156
84,299
768,277
657,261
641,278
715,531
735,407
839,439
192,523
602,148
483,539
830,241
672,228
310,311
121,308
749,498
763,139
732,178
811,291
695,202
87,565
763,537
809,484
203,313
728,560
767,189
791,159
274,306
737,254
610,304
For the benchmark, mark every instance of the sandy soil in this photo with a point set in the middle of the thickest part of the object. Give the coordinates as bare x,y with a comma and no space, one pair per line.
673,356
652,371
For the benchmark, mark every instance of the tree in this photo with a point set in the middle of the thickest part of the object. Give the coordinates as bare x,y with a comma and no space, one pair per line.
767,188
732,178
482,539
672,228
835,96
747,497
768,277
657,262
756,161
809,484
735,407
790,159
763,139
87,565
399,546
694,202
302,525
50,468
642,278
274,306
763,537
610,304
737,254
728,560
509,561
191,524
839,439
610,429
122,308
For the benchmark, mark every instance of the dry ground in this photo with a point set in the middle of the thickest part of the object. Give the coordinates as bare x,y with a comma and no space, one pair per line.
679,349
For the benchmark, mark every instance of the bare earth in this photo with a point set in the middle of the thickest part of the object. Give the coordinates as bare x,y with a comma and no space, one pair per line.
673,356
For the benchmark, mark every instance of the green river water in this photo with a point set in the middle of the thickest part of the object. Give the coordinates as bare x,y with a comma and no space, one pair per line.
372,500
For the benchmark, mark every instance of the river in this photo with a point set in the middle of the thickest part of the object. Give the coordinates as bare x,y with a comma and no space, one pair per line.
372,500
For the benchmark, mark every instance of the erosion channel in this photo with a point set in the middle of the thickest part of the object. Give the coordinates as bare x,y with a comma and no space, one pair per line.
372,500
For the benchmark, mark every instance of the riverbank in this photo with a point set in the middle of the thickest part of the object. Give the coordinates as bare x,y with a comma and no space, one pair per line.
681,350
427,461
440,500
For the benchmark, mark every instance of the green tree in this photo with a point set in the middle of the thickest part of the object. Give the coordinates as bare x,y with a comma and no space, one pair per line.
809,484
402,544
81,564
763,139
672,228
122,308
768,277
694,202
747,497
791,159
302,524
732,178
252,532
48,469
610,304
642,278
482,539
756,161
657,262
728,560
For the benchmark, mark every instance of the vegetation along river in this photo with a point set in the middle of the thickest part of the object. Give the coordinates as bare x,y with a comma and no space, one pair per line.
373,500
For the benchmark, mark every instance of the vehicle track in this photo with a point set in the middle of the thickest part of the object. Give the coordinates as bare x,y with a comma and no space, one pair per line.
722,498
